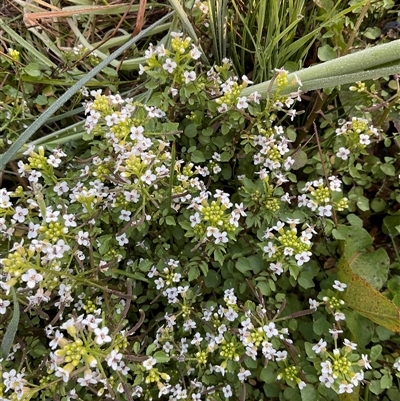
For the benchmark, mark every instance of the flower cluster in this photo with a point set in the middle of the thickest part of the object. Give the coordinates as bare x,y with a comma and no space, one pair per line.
212,221
216,341
323,199
354,136
284,244
341,369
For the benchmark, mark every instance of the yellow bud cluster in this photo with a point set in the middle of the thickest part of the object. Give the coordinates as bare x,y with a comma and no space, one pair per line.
53,231
321,194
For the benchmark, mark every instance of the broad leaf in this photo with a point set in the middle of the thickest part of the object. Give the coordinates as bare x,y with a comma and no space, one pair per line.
365,272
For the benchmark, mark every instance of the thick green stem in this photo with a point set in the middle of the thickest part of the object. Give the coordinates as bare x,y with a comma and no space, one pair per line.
366,64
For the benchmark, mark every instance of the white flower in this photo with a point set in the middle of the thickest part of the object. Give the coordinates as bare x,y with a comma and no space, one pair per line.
189,76
326,367
212,231
345,388
169,65
334,184
223,108
243,374
3,306
339,286
340,316
60,188
122,239
313,303
254,97
83,238
20,214
148,177
276,268
242,103
33,230
349,344
396,365
319,347
227,390
327,380
125,215
343,153
364,361
364,139
335,333
246,80
69,220
114,358
270,249
302,200
31,277
303,257
325,211
149,363
137,133
195,53
221,237
102,335
281,355
270,330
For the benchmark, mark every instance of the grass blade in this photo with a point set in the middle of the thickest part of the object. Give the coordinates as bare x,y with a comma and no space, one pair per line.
12,327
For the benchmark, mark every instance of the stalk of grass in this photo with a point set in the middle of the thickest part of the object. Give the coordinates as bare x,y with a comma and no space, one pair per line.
374,62
267,34
218,25
70,92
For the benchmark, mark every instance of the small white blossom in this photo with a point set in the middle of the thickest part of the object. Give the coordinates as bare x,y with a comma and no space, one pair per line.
339,286
169,65
343,153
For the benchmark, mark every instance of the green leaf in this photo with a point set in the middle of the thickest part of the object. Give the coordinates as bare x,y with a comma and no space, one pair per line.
12,327
212,280
170,221
198,157
388,169
373,267
252,263
150,349
354,220
219,257
161,357
194,272
372,33
268,375
308,393
391,225
375,387
264,288
363,203
365,299
41,100
190,131
360,327
300,160
104,241
305,279
386,381
376,352
326,53
33,69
